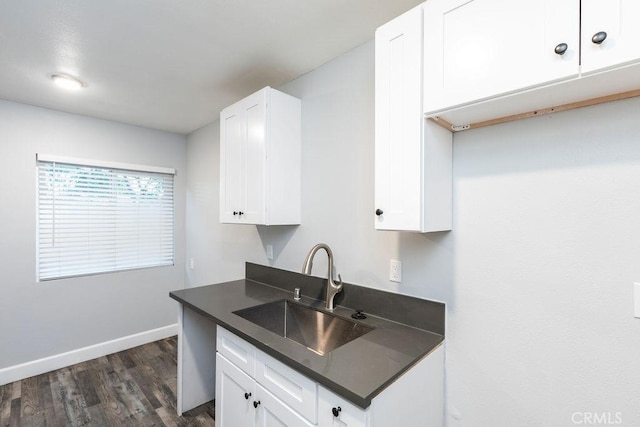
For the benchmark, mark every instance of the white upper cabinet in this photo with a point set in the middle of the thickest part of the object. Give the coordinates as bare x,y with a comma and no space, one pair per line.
260,160
610,34
412,156
476,49
487,59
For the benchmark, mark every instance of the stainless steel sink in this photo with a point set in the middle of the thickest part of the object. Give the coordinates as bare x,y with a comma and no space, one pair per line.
318,331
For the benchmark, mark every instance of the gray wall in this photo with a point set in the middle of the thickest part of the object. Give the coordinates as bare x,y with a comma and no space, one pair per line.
545,250
536,274
47,318
337,200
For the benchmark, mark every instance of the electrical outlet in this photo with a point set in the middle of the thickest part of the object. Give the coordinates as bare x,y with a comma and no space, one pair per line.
636,300
395,271
269,251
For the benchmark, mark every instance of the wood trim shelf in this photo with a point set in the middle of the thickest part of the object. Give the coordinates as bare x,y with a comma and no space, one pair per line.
535,113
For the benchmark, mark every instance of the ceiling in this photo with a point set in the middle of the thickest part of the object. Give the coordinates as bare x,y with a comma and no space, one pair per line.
172,64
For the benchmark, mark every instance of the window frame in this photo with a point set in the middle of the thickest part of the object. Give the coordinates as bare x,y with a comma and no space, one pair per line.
108,168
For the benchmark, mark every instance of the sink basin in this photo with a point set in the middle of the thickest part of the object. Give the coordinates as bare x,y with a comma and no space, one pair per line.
318,331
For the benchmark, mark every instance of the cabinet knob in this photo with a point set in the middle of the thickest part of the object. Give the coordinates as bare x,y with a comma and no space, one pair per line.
599,37
235,213
240,213
255,404
379,212
561,48
247,396
336,411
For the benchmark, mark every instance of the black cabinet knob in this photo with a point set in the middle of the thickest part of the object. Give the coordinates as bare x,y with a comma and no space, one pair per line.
235,213
247,396
336,411
255,404
561,48
599,37
240,213
379,212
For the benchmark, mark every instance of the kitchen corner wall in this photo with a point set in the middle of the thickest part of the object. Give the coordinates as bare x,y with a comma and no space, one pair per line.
337,196
42,319
536,274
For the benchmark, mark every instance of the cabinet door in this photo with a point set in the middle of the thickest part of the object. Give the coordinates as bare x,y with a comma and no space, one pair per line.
231,167
260,175
273,413
398,122
235,394
255,153
619,20
478,49
334,411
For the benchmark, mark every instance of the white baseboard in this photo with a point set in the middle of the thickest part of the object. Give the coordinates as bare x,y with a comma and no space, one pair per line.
57,361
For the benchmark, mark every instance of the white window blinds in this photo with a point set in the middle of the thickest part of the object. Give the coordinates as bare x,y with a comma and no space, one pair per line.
96,219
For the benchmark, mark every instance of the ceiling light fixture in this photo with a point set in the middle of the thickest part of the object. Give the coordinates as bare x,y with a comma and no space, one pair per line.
67,82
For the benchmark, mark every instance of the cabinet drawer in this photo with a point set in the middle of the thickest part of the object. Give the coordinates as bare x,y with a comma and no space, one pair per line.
293,388
348,414
236,350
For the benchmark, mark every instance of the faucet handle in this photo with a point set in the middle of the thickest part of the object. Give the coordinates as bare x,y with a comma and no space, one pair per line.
339,284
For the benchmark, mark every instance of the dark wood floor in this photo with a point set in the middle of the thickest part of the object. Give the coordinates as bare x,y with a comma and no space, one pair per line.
136,387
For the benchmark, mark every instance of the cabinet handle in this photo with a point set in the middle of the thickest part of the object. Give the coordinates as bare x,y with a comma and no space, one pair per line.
561,48
336,411
235,213
379,212
241,213
599,37
255,404
247,396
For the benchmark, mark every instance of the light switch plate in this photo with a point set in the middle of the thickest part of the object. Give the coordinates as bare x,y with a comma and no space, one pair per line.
636,300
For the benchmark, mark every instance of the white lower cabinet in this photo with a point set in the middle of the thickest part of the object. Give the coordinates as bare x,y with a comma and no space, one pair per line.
264,392
335,411
271,412
243,402
236,391
292,388
254,389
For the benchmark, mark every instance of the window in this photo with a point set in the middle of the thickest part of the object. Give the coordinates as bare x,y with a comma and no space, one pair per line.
95,217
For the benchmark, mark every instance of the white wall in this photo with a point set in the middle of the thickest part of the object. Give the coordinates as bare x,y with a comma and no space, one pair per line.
536,274
43,319
546,247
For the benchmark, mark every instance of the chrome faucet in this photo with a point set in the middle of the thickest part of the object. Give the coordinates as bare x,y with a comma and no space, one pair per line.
333,288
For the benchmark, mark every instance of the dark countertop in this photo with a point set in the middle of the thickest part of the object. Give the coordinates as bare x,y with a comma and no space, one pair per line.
358,370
